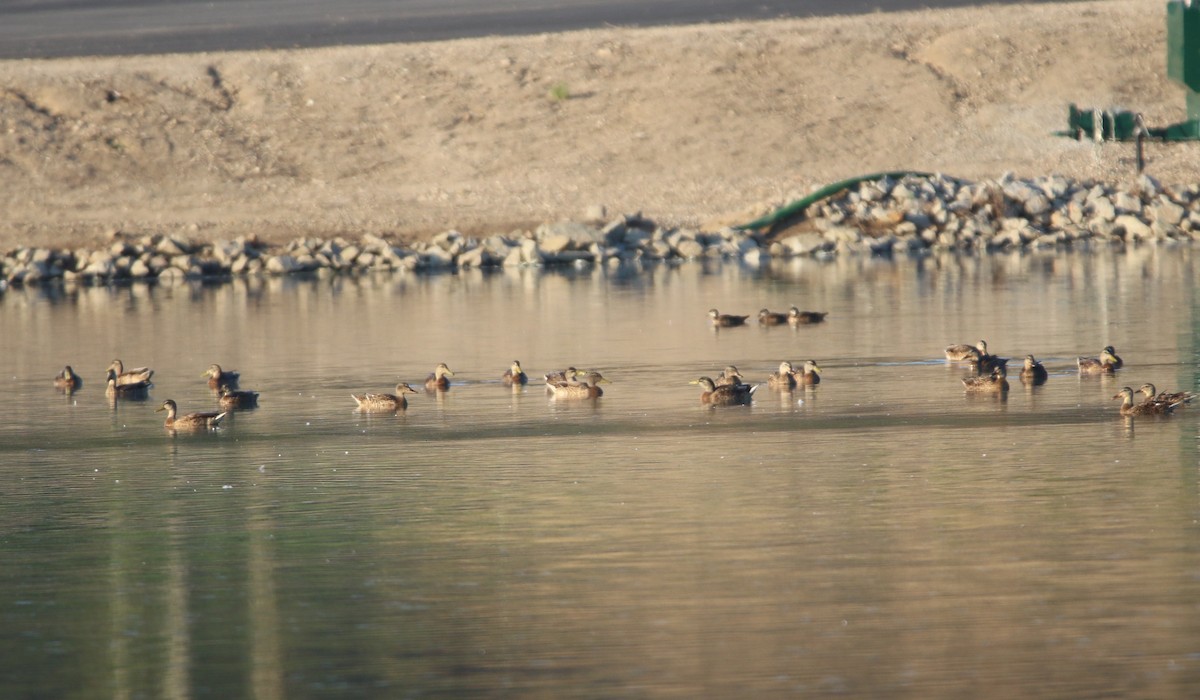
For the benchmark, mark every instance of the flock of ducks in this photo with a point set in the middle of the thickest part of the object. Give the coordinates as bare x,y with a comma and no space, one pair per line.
992,378
990,371
766,317
122,383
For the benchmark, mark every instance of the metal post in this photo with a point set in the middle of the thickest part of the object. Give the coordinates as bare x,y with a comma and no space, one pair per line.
1140,128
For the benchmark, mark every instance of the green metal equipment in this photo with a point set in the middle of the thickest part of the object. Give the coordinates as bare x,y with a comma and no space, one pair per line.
1183,66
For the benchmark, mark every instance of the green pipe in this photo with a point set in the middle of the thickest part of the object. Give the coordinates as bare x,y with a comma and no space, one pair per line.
794,209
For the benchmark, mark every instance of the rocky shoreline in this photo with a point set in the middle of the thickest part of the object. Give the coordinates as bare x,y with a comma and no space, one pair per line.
912,215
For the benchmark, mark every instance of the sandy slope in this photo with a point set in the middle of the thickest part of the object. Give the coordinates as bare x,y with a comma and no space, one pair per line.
694,126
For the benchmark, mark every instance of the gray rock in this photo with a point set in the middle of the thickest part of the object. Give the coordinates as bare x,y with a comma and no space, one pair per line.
498,246
882,245
436,258
139,269
530,252
578,235
281,264
614,233
553,244
102,267
1166,212
1135,229
657,249
1148,186
1101,208
373,243
805,243
636,238
514,257
172,246
843,234
1127,203
689,248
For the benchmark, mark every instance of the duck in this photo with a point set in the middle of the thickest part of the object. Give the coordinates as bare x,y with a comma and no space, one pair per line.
218,377
1107,363
231,398
986,363
384,403
725,320
585,389
558,377
730,376
966,353
810,375
438,381
771,318
994,383
783,379
134,390
133,376
796,317
192,421
514,375
1175,399
1146,408
727,395
67,380
1032,372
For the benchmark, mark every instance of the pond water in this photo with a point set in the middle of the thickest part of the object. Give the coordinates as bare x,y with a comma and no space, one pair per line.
881,534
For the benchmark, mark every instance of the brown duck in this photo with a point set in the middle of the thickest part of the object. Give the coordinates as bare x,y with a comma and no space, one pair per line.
809,375
584,388
67,380
204,420
514,375
133,390
966,353
725,320
1107,363
994,383
218,377
1032,372
796,317
771,318
567,375
232,398
782,379
1146,408
384,403
133,376
438,380
728,395
729,377
1174,399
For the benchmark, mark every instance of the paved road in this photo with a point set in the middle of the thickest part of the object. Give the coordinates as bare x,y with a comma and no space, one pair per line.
55,28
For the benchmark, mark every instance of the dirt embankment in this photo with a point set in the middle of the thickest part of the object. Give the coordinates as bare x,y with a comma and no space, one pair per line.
697,126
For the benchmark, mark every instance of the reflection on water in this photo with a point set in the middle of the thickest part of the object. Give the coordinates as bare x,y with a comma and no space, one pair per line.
880,534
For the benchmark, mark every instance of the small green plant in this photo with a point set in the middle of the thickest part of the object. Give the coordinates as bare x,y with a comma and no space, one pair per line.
559,92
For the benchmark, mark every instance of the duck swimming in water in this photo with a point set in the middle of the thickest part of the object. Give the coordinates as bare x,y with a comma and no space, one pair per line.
384,403
728,395
204,420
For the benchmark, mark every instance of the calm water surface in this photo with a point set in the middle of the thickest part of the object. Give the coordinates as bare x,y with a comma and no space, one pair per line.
881,535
